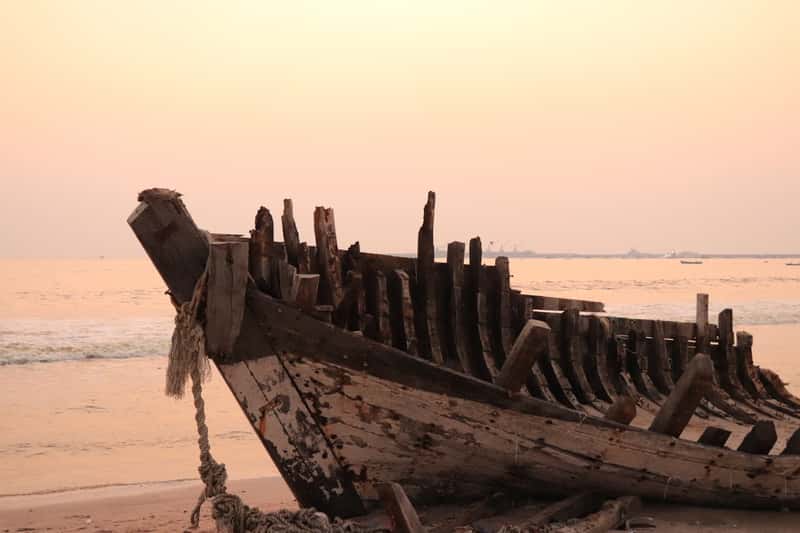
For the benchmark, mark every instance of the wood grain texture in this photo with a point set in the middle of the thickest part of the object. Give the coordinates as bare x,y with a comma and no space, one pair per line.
225,295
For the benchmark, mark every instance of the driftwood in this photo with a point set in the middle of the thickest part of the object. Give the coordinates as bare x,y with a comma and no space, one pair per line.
612,514
531,344
532,517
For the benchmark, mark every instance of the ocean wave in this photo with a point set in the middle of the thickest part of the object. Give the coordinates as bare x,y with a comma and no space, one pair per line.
25,341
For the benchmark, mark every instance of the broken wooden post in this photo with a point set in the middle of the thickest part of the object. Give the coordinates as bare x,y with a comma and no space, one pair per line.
455,268
701,322
328,261
425,309
291,238
304,263
378,306
287,282
714,436
679,406
227,284
397,505
402,312
531,344
622,411
504,303
744,365
792,444
261,241
760,439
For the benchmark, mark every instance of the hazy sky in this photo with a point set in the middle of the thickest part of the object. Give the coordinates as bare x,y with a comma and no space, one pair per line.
556,126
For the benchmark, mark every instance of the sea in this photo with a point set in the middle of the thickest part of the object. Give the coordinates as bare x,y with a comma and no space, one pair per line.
83,344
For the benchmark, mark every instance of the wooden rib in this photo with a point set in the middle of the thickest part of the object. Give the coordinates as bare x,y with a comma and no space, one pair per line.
623,383
425,312
776,388
328,260
572,358
557,382
402,312
596,361
287,280
792,444
680,356
760,439
305,263
377,296
744,366
458,337
682,402
479,283
351,313
261,239
659,364
636,363
402,514
701,321
504,303
622,411
291,237
531,344
714,436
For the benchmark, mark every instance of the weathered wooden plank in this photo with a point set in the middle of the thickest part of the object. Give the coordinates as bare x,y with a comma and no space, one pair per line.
425,308
378,306
458,328
328,261
792,444
659,364
531,344
504,303
305,264
596,360
262,238
307,290
622,411
286,281
550,303
291,237
680,405
403,516
611,514
177,248
714,436
481,287
402,312
227,283
701,321
760,439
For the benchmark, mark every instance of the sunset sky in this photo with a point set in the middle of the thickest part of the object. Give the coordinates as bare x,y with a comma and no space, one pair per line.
590,126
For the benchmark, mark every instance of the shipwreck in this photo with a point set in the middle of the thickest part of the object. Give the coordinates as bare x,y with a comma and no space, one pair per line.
357,370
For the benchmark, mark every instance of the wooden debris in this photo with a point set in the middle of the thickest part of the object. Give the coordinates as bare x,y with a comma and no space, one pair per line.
532,517
227,283
714,436
403,515
612,514
622,411
425,309
402,312
760,439
531,344
291,237
679,406
328,261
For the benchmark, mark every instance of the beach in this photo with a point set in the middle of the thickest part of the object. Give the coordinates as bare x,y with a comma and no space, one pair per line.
89,442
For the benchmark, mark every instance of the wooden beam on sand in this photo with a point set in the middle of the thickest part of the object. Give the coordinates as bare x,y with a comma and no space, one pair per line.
680,405
402,514
531,344
612,514
534,517
760,439
714,436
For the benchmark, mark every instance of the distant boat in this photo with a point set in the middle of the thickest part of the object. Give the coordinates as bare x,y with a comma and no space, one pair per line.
691,262
793,264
